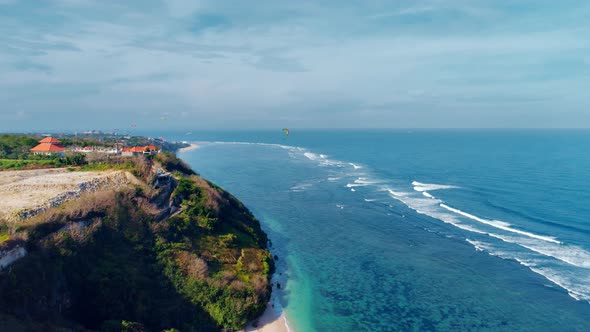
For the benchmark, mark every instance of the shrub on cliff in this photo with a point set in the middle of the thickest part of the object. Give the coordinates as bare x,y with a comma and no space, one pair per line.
174,164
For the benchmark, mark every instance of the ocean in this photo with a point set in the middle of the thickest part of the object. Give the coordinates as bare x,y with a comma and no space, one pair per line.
416,230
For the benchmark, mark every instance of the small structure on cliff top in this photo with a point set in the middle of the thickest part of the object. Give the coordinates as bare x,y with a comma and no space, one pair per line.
138,150
49,146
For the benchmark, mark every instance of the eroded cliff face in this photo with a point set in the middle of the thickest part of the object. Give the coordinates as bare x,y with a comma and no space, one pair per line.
152,248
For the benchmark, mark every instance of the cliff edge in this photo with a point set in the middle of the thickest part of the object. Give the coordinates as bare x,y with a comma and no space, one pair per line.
150,248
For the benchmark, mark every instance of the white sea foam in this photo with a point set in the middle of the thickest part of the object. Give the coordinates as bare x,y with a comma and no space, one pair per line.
287,324
352,189
340,206
301,187
355,166
312,156
577,285
570,254
323,159
366,181
550,248
499,224
426,194
292,148
430,207
361,182
352,185
397,193
333,179
370,199
418,186
478,245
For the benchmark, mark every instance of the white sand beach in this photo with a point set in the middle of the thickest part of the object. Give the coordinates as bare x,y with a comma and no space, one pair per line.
270,321
193,146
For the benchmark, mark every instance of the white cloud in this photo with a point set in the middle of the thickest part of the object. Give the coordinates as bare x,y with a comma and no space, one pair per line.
153,63
182,8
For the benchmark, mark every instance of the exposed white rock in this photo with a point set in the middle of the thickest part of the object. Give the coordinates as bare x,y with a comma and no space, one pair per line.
11,256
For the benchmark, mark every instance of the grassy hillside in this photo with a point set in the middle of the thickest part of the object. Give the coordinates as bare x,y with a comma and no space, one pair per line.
173,253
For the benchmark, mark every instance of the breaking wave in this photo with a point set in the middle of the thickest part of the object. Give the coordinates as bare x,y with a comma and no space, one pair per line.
418,186
499,224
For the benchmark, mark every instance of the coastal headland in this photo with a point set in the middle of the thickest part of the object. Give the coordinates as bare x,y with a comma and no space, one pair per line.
138,243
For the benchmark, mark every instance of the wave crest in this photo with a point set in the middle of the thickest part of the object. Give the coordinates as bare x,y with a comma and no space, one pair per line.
419,186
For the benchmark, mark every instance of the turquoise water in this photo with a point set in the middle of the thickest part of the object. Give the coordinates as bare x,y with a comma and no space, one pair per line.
417,230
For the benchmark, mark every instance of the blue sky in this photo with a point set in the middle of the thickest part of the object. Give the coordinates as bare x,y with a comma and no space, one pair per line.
77,64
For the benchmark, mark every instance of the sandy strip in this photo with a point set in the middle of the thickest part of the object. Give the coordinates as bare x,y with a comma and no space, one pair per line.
193,146
271,321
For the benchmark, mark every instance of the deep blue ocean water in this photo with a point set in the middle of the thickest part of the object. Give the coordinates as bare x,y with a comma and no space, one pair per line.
444,230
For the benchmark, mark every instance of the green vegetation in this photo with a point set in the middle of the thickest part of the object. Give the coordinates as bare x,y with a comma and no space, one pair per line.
120,266
233,285
12,164
42,162
173,163
16,146
36,162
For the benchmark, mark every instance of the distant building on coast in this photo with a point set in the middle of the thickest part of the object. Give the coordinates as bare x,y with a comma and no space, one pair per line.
94,149
49,146
138,150
92,132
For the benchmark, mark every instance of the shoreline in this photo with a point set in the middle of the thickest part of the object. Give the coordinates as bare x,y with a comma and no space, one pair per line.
193,146
272,320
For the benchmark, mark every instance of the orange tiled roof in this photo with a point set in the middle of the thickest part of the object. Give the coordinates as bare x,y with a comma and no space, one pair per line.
48,147
140,148
49,140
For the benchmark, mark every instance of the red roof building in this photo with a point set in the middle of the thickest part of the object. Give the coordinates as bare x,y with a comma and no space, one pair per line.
135,150
49,146
50,140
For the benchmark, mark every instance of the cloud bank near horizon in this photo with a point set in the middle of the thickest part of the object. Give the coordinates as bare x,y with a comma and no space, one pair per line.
265,64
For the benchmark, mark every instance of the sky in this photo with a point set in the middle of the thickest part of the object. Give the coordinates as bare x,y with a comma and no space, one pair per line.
180,64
